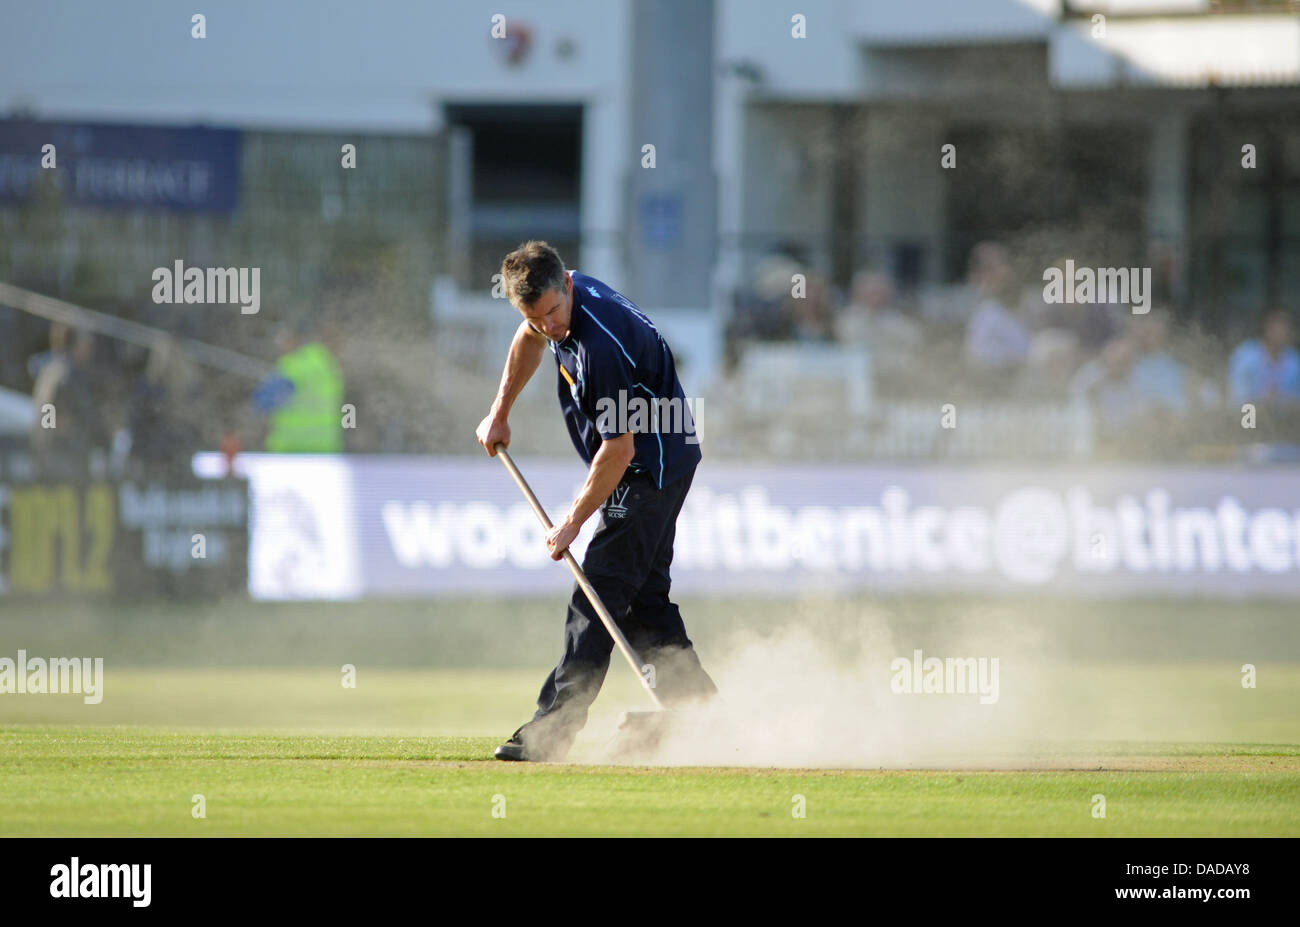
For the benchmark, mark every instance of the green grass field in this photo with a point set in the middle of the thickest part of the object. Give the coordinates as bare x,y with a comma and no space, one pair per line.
115,781
242,704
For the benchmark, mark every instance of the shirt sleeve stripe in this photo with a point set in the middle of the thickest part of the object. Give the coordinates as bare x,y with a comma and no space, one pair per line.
611,335
658,436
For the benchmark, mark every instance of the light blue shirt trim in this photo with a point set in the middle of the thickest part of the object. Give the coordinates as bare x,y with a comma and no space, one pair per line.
658,437
611,335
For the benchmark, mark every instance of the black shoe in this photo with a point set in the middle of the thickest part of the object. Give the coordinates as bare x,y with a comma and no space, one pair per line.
512,750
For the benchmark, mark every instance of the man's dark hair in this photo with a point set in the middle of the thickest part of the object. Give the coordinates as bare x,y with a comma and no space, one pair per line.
530,270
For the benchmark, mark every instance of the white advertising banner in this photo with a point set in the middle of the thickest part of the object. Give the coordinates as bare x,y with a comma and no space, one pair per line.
345,527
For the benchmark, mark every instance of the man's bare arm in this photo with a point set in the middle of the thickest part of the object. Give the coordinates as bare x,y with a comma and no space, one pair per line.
525,355
607,469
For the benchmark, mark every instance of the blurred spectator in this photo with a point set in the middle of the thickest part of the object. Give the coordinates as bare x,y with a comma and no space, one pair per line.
58,352
1093,324
1054,355
66,381
810,314
1106,385
774,278
996,339
769,311
303,397
872,319
1266,369
758,311
1137,390
162,436
1158,379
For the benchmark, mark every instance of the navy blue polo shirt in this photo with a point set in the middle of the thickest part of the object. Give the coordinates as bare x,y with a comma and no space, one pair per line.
612,356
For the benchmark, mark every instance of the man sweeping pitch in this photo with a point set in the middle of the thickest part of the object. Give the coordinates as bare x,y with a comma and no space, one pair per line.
607,354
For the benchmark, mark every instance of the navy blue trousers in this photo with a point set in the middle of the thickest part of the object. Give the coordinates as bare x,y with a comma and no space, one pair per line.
627,562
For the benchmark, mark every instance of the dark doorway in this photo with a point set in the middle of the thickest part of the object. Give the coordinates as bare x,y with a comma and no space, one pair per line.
524,176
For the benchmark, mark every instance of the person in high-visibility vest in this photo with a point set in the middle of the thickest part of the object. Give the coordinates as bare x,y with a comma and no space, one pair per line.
304,398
